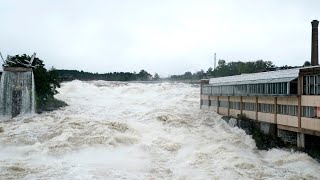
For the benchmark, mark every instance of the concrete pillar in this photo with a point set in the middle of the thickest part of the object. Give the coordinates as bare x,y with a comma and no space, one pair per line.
275,102
300,89
203,82
228,105
314,43
241,106
300,140
257,107
217,105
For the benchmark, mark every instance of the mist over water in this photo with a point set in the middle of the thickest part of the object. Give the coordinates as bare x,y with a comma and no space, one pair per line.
116,130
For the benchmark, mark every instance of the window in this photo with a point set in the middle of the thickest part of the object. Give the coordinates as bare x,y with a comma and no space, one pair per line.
282,109
224,104
216,90
274,89
318,84
249,106
309,111
235,105
205,102
291,110
206,90
305,85
214,103
266,108
279,88
251,89
227,90
311,85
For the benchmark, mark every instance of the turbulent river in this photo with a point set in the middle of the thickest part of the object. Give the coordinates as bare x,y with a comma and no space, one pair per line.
138,131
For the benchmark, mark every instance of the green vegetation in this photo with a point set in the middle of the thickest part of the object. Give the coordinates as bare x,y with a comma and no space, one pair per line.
69,75
46,82
156,77
228,69
233,68
223,69
237,68
306,63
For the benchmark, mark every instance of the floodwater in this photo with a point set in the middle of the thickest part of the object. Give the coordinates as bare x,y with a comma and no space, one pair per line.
116,130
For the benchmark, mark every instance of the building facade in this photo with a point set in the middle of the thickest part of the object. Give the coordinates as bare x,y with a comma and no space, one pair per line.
288,99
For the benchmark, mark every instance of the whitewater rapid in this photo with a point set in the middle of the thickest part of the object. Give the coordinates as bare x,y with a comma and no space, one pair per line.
113,130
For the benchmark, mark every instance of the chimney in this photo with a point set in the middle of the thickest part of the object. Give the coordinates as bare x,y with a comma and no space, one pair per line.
314,43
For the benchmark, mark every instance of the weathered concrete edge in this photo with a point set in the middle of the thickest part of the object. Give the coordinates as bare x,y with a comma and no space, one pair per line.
17,69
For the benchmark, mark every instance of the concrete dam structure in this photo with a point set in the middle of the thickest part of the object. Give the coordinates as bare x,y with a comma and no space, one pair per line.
17,92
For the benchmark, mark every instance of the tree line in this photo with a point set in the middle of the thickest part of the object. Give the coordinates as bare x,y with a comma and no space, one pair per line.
228,69
69,75
233,68
223,69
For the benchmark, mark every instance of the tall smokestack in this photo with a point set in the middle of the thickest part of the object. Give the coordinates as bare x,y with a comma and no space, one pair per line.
314,43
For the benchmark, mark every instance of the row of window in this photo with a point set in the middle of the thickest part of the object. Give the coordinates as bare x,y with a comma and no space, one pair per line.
292,110
245,89
287,110
311,85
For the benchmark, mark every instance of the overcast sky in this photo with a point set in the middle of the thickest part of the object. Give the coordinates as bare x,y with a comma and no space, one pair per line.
164,36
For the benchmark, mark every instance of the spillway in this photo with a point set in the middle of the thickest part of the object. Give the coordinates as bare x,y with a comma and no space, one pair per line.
113,130
17,92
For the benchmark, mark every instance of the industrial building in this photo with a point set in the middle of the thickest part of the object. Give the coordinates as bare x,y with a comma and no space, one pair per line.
287,99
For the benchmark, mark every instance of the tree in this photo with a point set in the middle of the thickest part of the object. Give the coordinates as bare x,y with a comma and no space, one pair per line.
156,76
187,75
306,63
144,75
236,68
199,74
210,72
221,62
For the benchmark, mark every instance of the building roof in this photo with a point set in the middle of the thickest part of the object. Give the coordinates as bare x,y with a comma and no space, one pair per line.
286,75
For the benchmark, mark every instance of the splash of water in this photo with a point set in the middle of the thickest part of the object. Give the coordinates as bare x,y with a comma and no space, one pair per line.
138,131
17,94
232,122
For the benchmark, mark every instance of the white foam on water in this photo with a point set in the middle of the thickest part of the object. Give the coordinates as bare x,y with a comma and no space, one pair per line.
113,130
232,122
